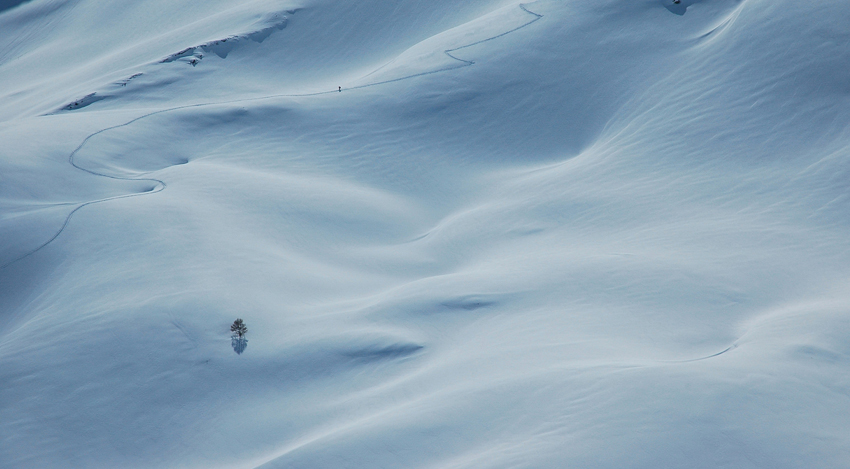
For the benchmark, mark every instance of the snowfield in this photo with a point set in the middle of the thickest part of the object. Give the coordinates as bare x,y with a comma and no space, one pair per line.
462,234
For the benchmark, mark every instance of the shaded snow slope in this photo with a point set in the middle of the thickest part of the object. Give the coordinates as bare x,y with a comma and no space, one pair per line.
554,234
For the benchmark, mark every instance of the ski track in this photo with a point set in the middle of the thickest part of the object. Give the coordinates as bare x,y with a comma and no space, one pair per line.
727,349
161,185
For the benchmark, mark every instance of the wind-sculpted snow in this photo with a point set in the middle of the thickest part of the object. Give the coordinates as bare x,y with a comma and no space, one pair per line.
460,234
421,59
221,49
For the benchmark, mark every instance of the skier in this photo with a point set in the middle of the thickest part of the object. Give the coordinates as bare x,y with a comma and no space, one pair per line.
340,89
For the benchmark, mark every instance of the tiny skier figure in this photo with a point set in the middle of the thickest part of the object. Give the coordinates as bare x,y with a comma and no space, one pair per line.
340,89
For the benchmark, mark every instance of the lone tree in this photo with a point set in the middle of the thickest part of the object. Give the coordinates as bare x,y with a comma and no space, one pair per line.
238,328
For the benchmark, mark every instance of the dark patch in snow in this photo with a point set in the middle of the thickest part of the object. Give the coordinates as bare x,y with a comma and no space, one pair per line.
469,303
9,4
376,352
222,47
678,8
86,100
129,79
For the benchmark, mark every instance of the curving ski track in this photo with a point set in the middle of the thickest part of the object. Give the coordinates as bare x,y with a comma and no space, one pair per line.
161,185
733,346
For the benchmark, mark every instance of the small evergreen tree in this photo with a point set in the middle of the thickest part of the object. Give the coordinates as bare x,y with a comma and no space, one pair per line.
238,328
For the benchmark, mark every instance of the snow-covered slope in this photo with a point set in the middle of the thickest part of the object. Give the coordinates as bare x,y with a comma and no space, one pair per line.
556,234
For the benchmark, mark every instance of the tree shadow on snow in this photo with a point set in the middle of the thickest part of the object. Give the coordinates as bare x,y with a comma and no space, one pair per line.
239,344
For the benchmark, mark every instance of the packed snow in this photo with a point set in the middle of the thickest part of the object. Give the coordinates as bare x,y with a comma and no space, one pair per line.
462,234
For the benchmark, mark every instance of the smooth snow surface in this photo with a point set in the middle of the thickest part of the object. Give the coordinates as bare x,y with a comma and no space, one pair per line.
562,234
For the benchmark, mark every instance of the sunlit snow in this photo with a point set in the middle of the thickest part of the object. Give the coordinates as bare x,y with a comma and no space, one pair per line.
462,234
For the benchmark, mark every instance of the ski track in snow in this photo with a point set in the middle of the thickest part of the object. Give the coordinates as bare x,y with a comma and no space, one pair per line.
727,349
161,185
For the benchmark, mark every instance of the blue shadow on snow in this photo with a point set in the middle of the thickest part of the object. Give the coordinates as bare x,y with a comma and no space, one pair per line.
239,344
9,4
